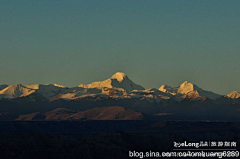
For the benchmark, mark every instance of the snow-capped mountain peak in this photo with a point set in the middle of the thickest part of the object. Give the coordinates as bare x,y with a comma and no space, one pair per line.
47,90
167,89
16,90
184,88
187,87
234,94
119,76
118,81
186,83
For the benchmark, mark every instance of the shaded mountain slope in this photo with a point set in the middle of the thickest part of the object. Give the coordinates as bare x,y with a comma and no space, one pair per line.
100,113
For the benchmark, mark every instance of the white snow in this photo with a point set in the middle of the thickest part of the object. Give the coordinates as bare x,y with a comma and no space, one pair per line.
186,87
234,94
119,76
14,91
118,86
48,90
118,81
186,90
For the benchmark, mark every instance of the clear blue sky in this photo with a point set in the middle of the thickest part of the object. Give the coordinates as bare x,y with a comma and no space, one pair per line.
154,42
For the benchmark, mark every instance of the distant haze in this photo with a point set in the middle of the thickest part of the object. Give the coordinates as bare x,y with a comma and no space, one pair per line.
153,42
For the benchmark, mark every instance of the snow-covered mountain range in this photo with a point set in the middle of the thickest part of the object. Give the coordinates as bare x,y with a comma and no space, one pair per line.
119,86
121,99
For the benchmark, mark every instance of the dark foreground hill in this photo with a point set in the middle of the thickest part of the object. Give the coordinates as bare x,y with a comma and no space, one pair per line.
104,139
99,113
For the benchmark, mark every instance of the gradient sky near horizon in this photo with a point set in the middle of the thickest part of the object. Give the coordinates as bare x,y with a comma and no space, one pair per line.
154,42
